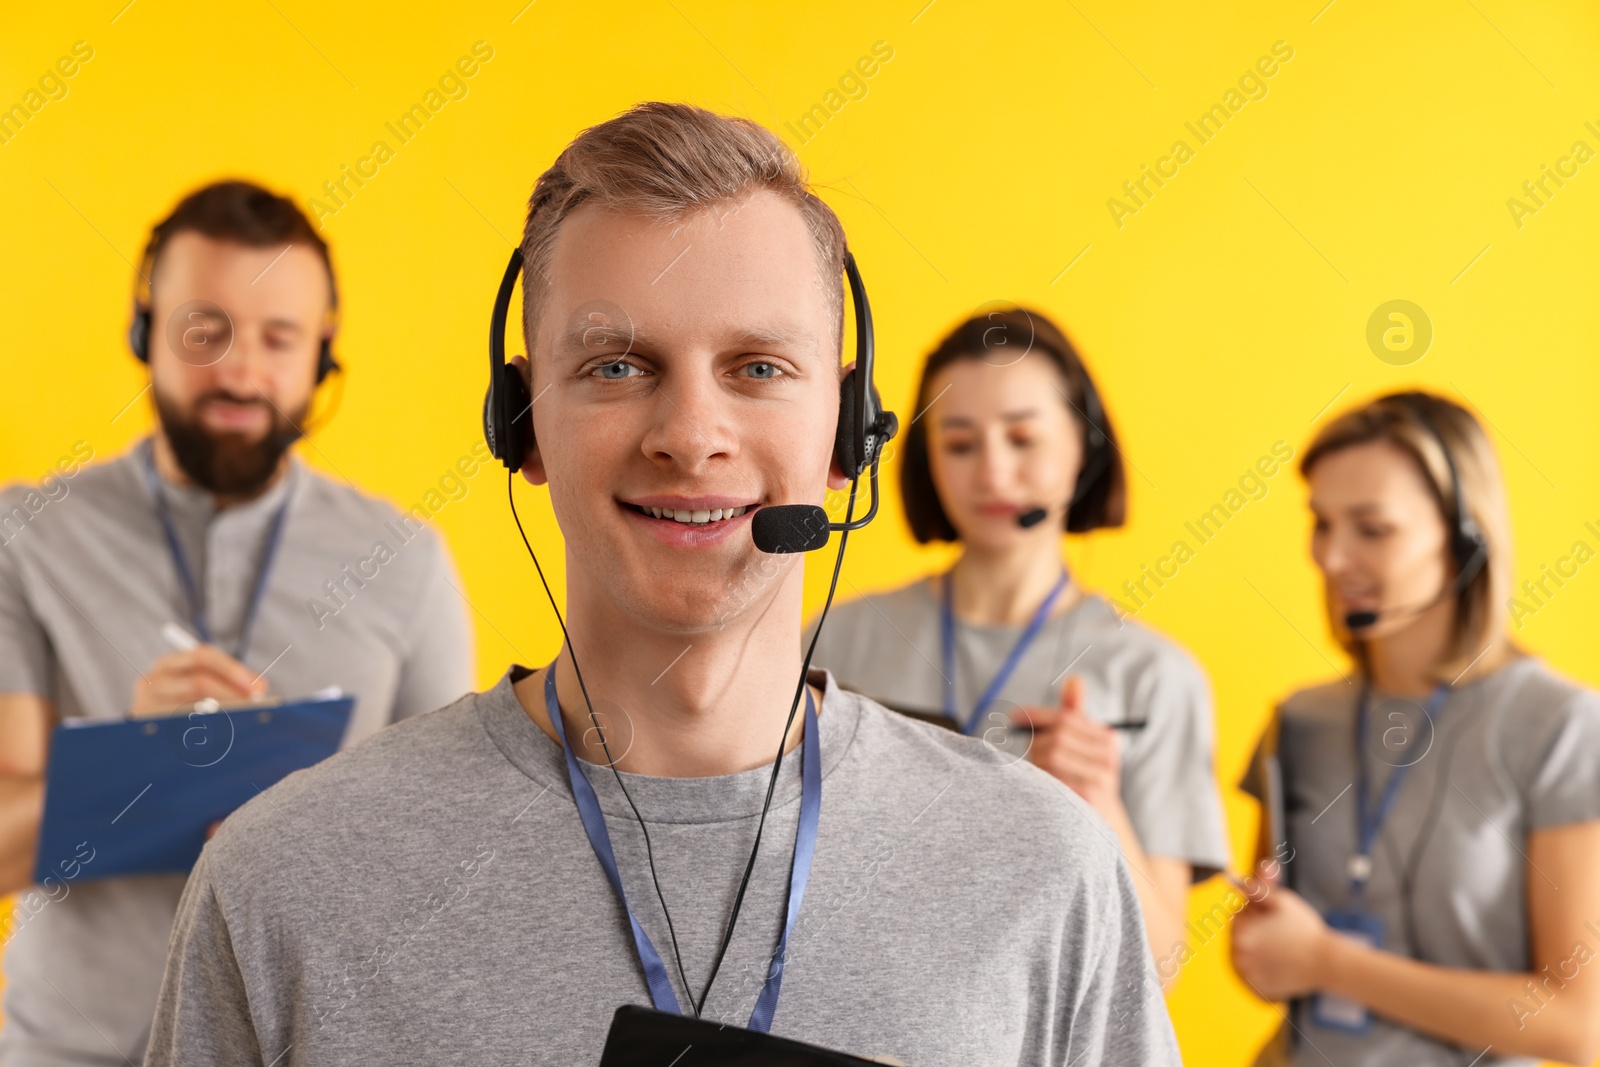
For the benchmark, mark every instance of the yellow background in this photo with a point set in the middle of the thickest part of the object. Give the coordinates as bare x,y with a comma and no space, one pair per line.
1227,314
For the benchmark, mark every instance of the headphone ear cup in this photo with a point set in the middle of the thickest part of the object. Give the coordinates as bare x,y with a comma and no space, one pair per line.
1469,546
139,335
853,447
326,364
508,418
845,436
1087,491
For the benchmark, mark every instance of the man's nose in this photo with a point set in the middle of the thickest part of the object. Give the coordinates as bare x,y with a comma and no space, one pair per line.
691,422
239,372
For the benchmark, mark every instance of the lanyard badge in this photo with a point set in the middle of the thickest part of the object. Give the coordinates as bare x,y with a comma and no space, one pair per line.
947,642
186,577
1342,1013
1355,921
805,847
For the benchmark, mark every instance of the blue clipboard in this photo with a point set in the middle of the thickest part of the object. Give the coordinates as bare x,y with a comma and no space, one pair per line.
136,796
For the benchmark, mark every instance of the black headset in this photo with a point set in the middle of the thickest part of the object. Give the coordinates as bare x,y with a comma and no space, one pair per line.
1469,548
862,431
139,328
1096,458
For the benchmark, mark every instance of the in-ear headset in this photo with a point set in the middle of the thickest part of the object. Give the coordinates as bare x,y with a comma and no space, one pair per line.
862,431
1469,548
139,328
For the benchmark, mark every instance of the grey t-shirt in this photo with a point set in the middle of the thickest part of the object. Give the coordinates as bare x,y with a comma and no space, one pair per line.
959,911
1510,753
86,583
887,646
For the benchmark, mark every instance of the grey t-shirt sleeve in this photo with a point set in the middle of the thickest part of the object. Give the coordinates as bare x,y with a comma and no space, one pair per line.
1563,787
1119,1015
1250,783
24,645
203,1011
1170,789
438,665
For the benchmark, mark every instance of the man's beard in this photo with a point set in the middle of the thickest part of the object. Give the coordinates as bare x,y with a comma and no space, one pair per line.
227,464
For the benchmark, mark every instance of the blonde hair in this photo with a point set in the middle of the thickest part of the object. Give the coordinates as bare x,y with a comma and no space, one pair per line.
665,161
1422,425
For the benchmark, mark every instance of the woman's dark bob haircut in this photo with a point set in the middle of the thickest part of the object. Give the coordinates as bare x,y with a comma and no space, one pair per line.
1000,338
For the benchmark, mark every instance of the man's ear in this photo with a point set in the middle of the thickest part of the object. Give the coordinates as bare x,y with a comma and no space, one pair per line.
837,478
533,464
533,467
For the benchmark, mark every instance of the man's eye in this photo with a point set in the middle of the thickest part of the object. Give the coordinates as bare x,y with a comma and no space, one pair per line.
615,370
764,369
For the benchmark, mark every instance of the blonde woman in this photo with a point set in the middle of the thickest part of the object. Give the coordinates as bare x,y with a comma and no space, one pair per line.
1443,801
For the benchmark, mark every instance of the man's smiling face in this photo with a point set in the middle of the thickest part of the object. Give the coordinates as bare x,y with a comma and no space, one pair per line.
690,366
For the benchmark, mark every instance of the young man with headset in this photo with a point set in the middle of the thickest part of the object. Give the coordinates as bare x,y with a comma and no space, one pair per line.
209,527
653,819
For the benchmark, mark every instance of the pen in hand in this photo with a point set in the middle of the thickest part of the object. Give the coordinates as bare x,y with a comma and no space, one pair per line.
194,675
180,639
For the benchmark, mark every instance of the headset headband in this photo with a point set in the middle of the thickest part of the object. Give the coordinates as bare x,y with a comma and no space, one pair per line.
139,328
1468,546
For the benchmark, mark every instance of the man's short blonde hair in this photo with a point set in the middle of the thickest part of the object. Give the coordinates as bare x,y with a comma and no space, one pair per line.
665,161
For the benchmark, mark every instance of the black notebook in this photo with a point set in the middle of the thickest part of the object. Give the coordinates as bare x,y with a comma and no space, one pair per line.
644,1037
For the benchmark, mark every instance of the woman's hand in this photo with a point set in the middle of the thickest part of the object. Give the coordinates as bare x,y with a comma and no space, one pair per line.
1081,752
1280,943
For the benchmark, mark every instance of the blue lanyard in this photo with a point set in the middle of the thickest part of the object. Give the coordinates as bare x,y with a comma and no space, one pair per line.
1369,823
805,847
947,642
180,562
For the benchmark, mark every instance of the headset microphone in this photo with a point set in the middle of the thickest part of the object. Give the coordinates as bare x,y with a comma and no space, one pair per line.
1032,517
1360,620
790,528
783,528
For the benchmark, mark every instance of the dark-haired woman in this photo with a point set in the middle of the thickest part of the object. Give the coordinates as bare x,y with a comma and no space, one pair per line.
1012,447
1442,900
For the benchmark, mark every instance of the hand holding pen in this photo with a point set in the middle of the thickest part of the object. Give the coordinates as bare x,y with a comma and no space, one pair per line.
192,672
